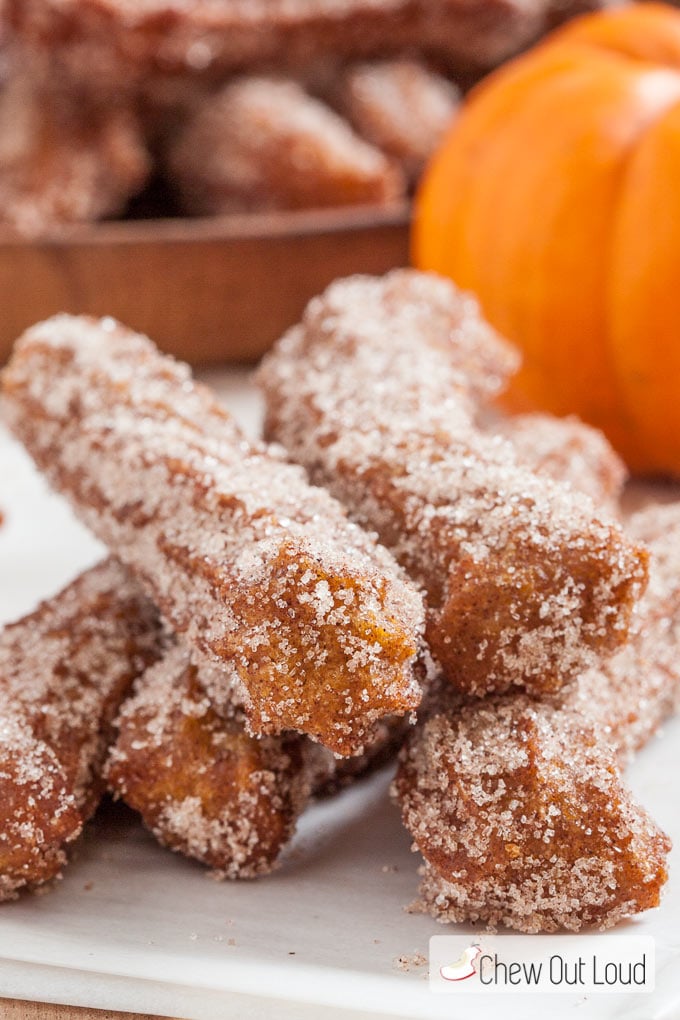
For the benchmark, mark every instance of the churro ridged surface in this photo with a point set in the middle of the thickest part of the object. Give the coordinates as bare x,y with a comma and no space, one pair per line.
202,784
313,623
374,392
63,673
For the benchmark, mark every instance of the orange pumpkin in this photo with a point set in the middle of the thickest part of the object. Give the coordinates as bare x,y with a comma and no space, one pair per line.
556,199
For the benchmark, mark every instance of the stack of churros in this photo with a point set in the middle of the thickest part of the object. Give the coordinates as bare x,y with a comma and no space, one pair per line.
300,637
460,588
209,107
531,588
519,807
526,582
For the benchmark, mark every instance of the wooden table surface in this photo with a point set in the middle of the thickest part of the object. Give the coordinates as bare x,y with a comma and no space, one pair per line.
14,1009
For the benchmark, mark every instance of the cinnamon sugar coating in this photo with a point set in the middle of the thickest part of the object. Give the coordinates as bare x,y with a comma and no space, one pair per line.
202,784
63,673
208,789
401,107
263,143
569,451
631,695
312,621
126,39
38,812
375,393
523,819
519,807
64,157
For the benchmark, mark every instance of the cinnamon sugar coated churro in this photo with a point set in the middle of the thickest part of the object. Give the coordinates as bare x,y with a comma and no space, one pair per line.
401,107
313,622
523,820
519,807
375,392
629,696
201,783
64,158
267,144
63,672
569,451
131,37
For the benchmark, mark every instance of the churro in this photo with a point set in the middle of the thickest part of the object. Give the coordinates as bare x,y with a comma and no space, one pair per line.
401,107
127,39
266,144
631,695
201,783
64,157
523,819
519,807
208,789
63,673
375,393
315,626
569,451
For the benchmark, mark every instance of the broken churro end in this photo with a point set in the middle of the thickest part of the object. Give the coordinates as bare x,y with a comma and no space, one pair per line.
312,622
523,820
201,783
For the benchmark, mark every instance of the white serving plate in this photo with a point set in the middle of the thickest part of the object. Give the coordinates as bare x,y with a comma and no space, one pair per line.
133,927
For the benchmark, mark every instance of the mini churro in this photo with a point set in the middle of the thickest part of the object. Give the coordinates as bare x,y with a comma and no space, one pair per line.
519,807
631,695
64,158
375,393
63,673
523,819
266,144
401,107
201,783
314,624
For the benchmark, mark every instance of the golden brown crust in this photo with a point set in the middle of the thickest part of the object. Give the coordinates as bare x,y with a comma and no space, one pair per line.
38,811
375,392
312,621
570,452
519,808
263,143
201,783
63,673
521,814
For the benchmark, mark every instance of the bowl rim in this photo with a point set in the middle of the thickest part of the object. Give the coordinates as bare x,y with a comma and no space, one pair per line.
232,227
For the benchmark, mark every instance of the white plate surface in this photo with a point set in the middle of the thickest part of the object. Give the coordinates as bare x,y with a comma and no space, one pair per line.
134,927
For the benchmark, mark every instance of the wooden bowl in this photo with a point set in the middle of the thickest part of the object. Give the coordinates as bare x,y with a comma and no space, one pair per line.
206,290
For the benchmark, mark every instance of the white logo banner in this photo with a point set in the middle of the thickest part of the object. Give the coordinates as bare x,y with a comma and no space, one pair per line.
483,964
